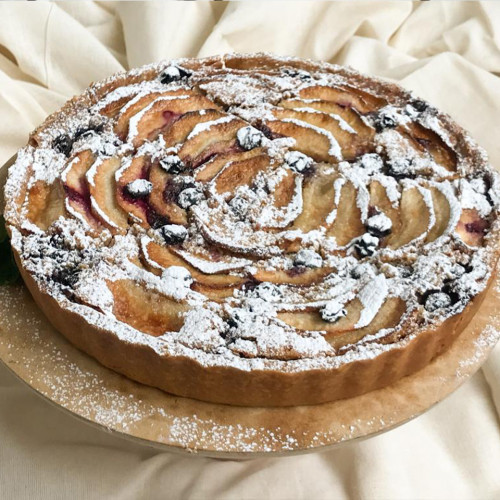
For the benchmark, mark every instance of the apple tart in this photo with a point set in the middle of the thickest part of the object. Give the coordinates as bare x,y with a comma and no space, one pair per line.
255,230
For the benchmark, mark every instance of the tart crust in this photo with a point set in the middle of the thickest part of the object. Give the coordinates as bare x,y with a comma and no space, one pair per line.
186,377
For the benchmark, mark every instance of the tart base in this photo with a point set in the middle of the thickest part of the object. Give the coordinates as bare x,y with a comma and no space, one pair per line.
67,377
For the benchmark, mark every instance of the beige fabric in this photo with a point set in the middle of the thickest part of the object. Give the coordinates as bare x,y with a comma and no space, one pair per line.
447,52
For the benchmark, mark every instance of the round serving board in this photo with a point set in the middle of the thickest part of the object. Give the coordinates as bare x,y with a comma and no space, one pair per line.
67,377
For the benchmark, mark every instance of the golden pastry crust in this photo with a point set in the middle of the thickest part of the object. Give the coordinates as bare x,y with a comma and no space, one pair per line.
254,230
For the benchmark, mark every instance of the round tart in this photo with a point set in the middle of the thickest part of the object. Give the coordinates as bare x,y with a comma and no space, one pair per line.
255,230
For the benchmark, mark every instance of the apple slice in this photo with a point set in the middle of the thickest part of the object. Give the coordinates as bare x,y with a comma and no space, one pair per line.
45,203
346,139
311,320
161,114
346,97
138,103
442,212
138,168
318,196
213,166
388,316
471,227
380,201
317,143
180,129
214,293
344,332
285,190
349,115
76,188
355,145
347,224
165,257
162,199
146,310
102,188
414,217
240,173
213,138
300,276
427,141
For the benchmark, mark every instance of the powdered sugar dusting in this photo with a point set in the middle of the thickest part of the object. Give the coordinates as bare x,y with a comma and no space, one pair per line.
246,217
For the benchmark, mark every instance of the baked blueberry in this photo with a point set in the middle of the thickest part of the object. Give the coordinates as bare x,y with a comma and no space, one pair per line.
437,300
155,220
384,120
400,167
294,73
366,245
87,132
174,74
239,206
308,258
67,276
63,144
457,270
379,225
333,311
172,164
173,234
249,137
189,197
420,105
140,188
297,161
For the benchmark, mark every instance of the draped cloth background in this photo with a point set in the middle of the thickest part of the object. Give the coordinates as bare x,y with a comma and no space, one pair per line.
449,53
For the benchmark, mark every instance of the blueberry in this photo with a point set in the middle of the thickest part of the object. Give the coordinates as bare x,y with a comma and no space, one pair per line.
155,220
84,133
173,234
57,241
437,300
298,162
457,270
63,144
87,132
400,167
239,206
140,188
419,104
67,276
366,245
379,225
371,162
172,164
249,137
174,74
189,197
308,258
293,73
384,121
333,311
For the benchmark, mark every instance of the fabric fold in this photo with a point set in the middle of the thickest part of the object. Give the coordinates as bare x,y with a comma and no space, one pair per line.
447,52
